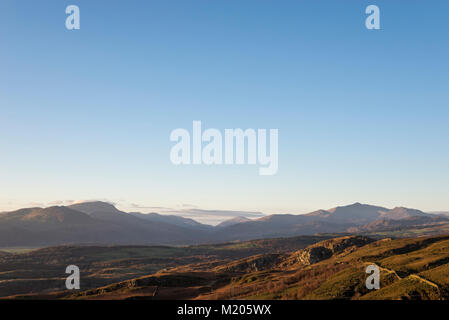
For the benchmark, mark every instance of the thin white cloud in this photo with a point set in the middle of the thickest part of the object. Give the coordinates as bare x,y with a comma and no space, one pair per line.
219,213
193,212
71,202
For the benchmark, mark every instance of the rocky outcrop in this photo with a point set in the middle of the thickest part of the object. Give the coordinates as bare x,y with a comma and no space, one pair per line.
325,249
252,264
312,254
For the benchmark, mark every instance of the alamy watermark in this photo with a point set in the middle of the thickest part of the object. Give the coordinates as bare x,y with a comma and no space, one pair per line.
372,22
73,281
209,147
72,22
373,281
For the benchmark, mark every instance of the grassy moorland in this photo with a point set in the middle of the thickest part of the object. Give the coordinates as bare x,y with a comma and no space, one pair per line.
317,267
332,269
26,271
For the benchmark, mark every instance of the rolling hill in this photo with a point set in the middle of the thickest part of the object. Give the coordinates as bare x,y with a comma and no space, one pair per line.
308,267
410,269
43,270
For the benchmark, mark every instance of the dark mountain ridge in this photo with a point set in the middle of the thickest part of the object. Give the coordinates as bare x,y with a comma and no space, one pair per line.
102,223
65,225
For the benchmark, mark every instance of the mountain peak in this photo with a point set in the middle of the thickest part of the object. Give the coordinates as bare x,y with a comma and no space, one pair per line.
355,213
94,206
355,205
55,214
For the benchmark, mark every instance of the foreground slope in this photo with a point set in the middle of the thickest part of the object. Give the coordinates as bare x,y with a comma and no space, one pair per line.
43,270
332,269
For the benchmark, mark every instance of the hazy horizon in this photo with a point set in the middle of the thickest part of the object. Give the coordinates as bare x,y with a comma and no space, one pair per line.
206,216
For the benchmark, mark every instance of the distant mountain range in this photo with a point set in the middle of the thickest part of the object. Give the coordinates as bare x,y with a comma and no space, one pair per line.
102,223
233,221
441,213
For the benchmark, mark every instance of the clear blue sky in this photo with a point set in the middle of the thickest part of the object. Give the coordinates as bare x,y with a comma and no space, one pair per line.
363,115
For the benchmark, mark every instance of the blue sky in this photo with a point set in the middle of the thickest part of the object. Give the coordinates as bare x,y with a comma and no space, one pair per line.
363,115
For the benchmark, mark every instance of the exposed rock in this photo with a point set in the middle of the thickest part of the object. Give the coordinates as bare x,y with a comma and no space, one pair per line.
255,263
326,249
